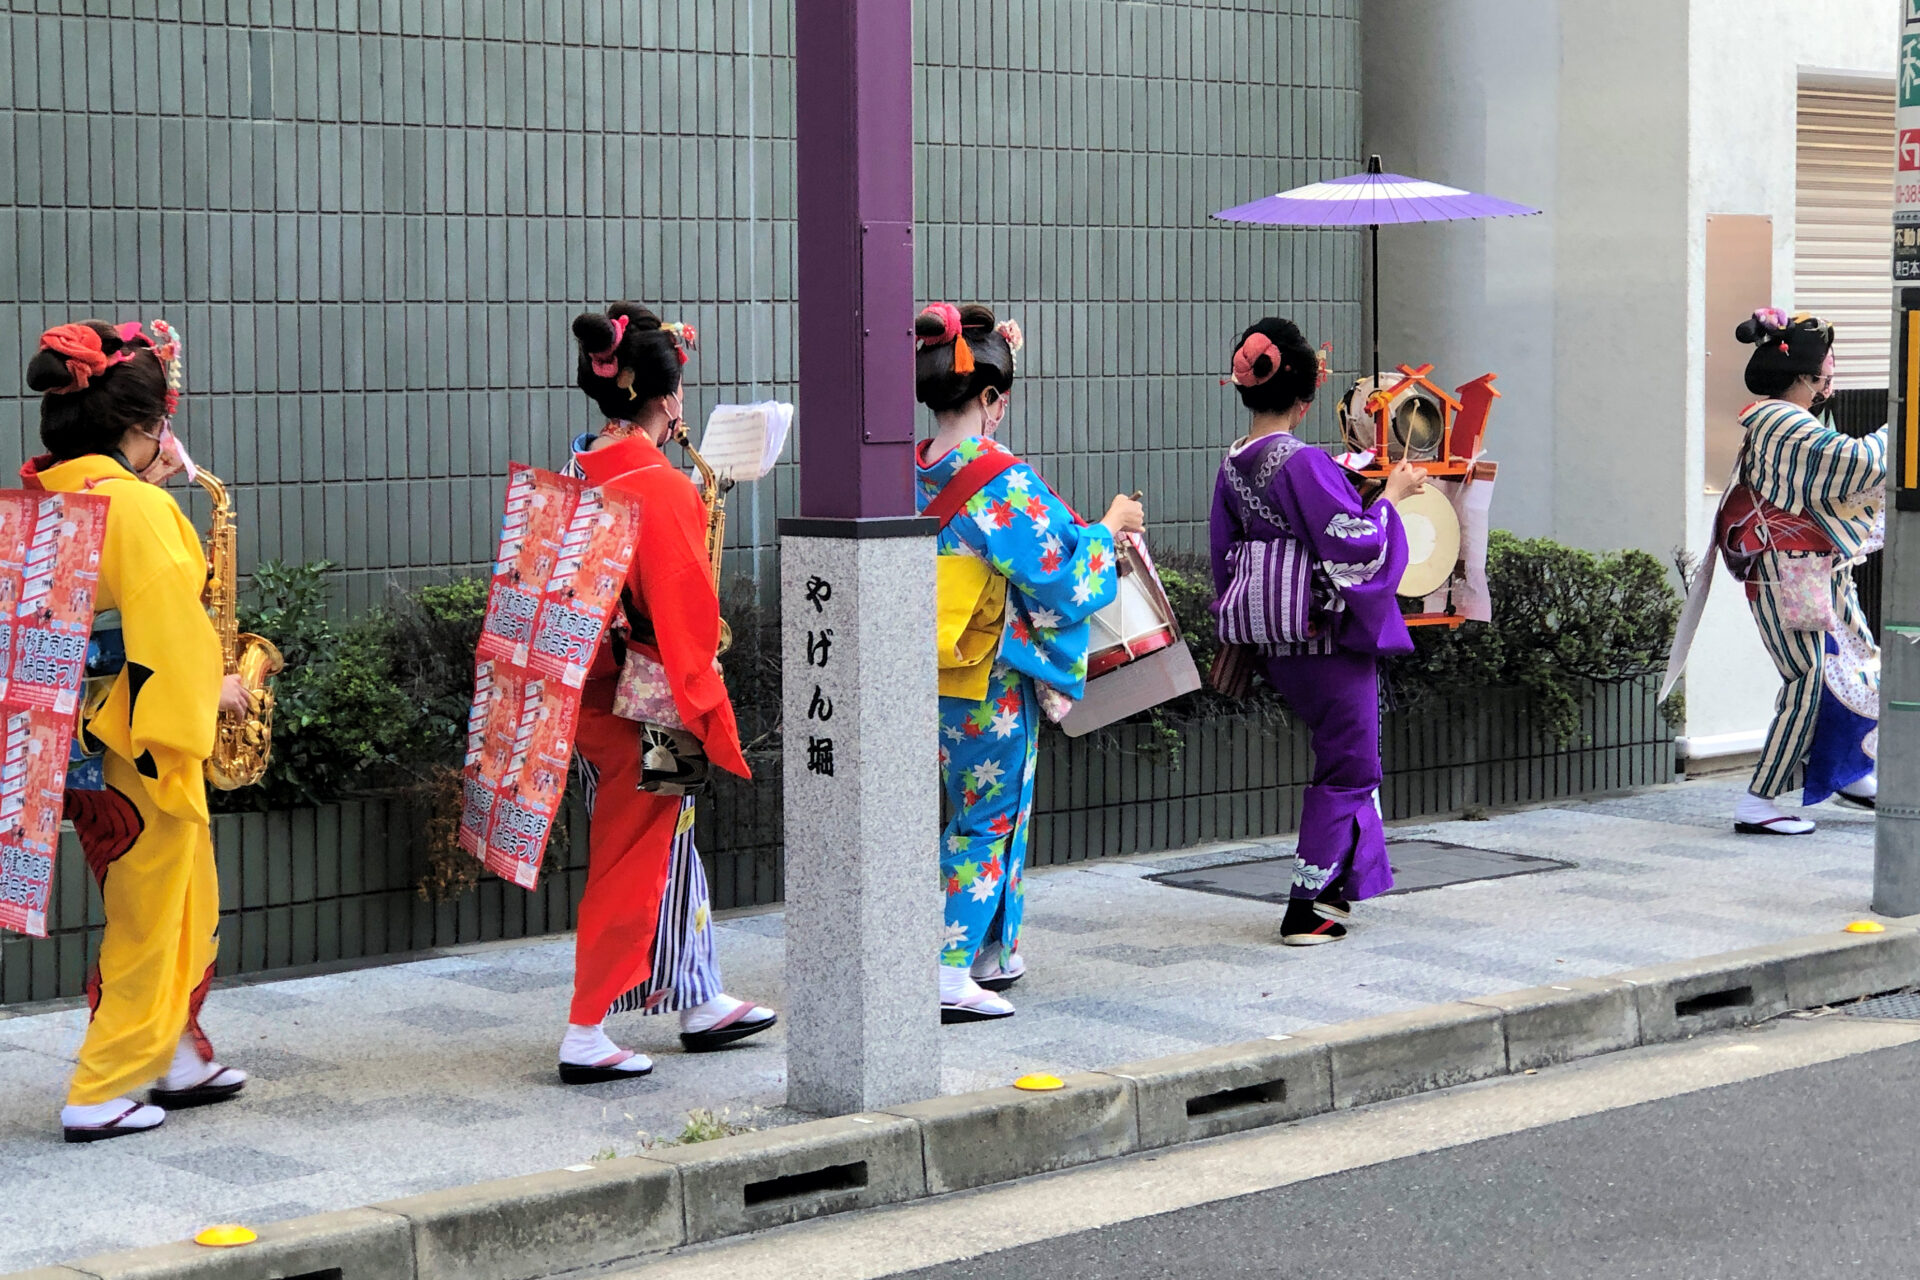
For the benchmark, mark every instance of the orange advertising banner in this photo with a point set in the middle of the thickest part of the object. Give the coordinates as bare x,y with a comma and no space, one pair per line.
49,572
564,552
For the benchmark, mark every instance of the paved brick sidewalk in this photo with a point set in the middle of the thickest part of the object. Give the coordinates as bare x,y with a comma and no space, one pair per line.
387,1081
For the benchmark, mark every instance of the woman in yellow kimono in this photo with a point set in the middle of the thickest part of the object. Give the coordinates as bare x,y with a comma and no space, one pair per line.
104,413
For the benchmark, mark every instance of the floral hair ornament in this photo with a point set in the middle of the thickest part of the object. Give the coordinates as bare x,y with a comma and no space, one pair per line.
1324,359
686,339
949,317
1772,318
171,350
1246,361
80,346
1010,332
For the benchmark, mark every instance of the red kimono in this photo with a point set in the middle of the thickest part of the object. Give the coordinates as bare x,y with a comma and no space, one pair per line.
632,832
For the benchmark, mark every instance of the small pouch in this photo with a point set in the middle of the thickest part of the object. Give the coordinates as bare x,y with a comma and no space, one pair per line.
1803,590
643,692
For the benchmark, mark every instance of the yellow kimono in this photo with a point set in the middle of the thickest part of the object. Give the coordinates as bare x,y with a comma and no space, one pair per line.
147,836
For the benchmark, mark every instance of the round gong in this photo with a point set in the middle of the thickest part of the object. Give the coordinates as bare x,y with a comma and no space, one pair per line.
1419,427
1433,542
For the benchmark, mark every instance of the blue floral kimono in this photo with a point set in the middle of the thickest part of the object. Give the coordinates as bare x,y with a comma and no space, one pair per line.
1059,573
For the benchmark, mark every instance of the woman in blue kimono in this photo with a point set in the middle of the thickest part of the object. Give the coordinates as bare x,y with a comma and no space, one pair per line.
1057,572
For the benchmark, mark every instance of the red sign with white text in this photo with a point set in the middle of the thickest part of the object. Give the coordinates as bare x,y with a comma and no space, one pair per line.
565,547
49,572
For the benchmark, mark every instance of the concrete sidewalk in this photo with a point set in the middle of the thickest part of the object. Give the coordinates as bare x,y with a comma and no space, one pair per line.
389,1081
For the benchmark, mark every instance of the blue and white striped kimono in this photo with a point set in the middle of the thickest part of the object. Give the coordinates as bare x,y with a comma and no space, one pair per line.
1805,467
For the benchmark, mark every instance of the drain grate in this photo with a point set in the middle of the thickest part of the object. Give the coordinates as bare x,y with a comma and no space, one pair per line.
1900,1004
1417,865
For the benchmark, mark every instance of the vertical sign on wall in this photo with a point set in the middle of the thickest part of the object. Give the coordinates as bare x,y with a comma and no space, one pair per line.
1906,266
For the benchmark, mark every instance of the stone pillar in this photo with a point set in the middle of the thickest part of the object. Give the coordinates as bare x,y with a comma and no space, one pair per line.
856,592
862,815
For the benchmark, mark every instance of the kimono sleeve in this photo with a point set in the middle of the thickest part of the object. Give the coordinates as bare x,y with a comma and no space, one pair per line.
1222,529
1362,549
674,579
162,712
1029,535
1841,466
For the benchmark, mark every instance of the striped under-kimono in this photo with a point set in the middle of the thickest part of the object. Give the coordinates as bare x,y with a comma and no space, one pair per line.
685,972
1800,464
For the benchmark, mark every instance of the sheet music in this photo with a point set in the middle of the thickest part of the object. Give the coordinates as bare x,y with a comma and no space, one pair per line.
743,441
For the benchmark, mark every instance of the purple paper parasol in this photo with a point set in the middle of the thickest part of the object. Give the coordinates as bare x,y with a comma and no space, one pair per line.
1372,199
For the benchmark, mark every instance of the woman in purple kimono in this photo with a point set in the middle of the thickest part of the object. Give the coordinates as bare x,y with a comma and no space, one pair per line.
1305,572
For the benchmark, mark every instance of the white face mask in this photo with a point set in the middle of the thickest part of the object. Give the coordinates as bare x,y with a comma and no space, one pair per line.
992,416
169,460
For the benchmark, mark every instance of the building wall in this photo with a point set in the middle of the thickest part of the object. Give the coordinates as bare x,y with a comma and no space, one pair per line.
1629,122
1742,114
374,221
1463,92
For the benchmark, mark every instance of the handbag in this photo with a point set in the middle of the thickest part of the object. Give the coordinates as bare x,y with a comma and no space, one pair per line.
1270,586
673,762
1803,590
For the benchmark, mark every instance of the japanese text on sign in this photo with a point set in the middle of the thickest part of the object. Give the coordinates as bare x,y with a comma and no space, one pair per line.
819,655
49,572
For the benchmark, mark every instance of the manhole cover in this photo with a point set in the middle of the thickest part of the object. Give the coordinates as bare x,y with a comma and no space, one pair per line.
1417,865
1901,1004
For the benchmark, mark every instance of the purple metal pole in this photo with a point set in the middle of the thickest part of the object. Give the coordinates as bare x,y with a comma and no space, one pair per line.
855,124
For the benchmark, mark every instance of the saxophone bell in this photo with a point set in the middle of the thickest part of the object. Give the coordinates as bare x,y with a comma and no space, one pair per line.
243,743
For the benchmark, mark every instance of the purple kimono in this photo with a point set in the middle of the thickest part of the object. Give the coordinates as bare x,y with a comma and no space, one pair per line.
1331,680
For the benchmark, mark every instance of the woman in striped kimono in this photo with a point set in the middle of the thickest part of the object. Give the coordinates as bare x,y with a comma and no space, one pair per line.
1824,496
1305,571
645,936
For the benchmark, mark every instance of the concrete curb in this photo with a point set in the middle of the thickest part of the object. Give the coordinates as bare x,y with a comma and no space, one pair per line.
593,1215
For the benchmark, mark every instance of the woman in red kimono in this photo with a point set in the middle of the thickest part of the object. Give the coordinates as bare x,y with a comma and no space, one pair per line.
644,885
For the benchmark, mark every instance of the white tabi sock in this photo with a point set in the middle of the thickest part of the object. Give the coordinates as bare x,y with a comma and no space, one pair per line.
1867,788
704,1017
104,1113
190,1070
590,1047
955,983
1759,811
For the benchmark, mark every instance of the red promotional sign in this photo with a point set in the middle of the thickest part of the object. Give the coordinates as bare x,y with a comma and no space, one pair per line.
49,571
564,551
1909,150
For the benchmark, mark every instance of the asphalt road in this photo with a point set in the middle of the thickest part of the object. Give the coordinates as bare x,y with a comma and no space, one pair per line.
1811,1172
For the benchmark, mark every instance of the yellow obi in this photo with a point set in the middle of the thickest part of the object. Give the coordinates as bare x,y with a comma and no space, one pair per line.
972,609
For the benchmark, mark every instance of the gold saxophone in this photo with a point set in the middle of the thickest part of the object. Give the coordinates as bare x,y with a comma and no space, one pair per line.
244,742
713,496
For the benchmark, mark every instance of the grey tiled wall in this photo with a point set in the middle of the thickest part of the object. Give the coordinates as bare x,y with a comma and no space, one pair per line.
374,218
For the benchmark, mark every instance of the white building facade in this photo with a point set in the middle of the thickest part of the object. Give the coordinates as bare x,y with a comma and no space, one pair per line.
1695,159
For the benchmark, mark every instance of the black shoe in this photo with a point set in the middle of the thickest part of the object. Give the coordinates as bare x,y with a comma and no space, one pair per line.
1338,909
719,1037
1305,926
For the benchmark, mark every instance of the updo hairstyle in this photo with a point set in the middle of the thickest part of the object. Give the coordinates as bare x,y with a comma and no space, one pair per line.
1273,367
91,398
1785,349
961,354
627,358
